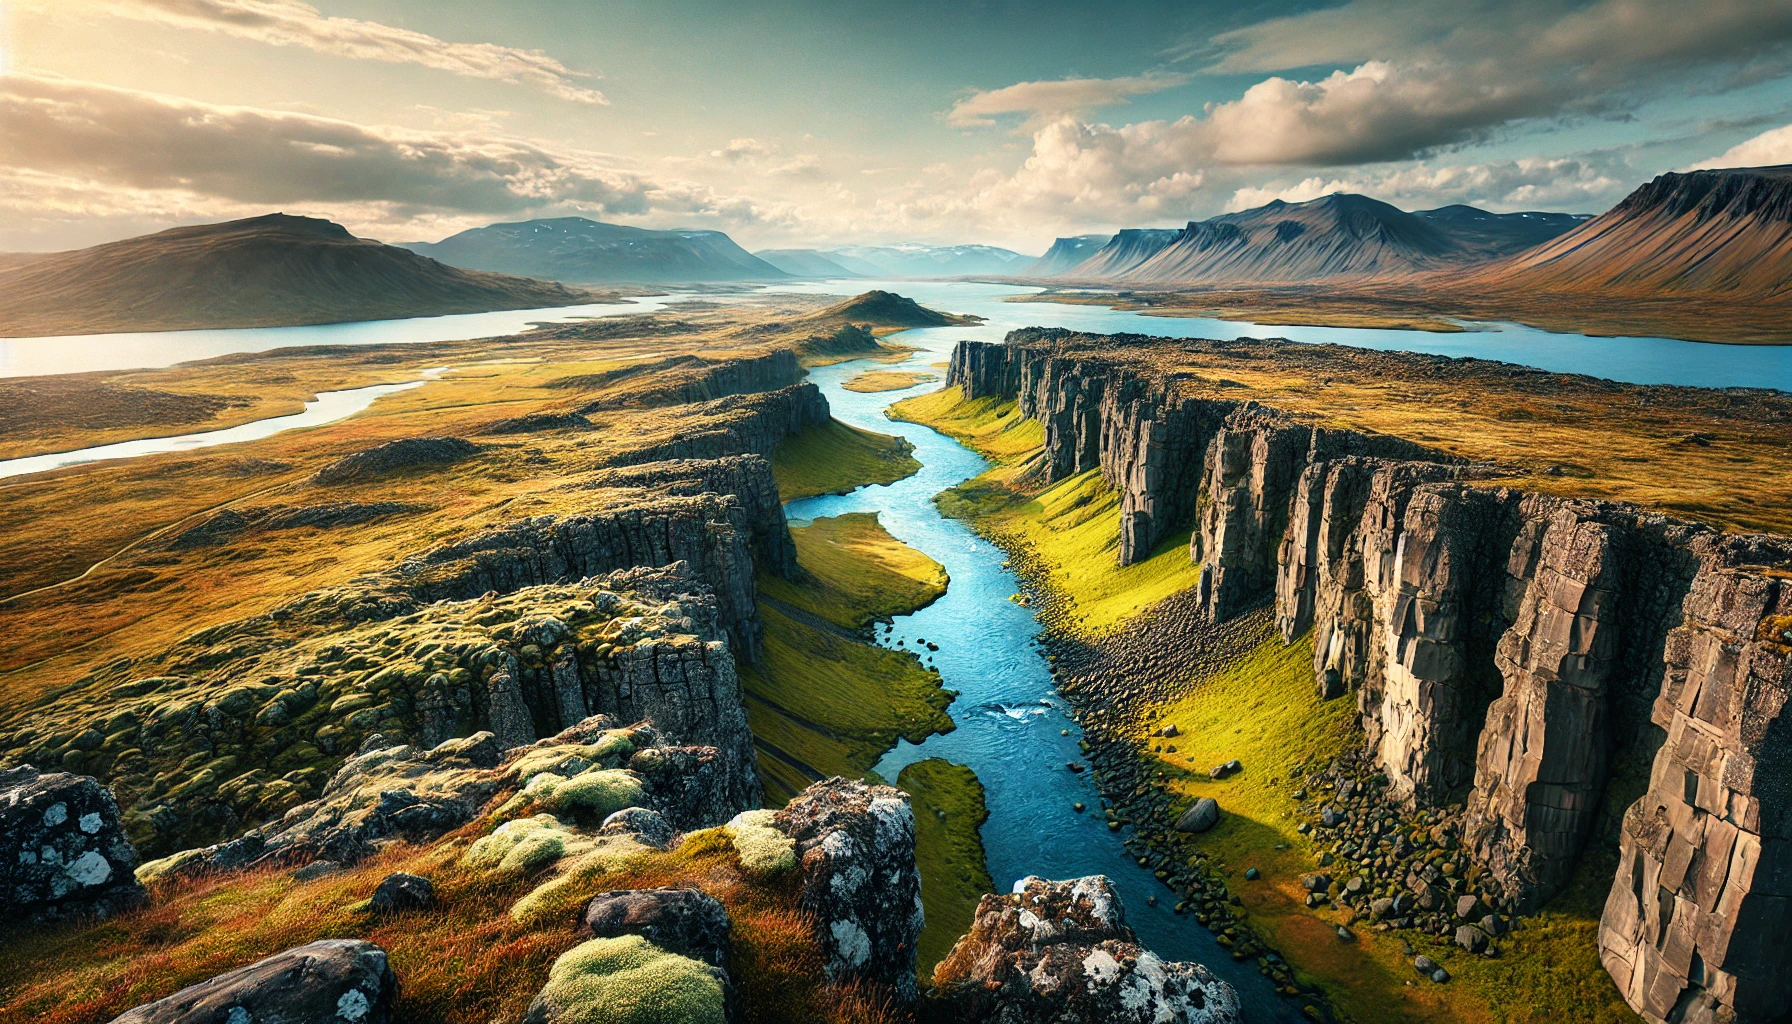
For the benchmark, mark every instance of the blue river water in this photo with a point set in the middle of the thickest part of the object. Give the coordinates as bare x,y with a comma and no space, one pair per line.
1008,713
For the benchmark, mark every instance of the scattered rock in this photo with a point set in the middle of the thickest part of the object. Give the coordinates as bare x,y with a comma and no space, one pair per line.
686,921
1252,874
63,851
1221,771
1199,818
334,981
1471,938
649,827
399,892
1062,951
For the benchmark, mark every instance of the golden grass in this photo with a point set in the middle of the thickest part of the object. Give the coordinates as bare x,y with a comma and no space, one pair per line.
872,381
463,961
994,429
855,573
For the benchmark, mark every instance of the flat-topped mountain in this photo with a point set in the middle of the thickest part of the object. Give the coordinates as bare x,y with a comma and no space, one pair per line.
1066,253
582,250
270,271
805,263
916,259
1717,233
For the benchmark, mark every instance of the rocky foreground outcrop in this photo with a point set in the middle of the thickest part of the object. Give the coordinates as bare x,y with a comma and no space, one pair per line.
331,981
1054,952
1513,652
63,852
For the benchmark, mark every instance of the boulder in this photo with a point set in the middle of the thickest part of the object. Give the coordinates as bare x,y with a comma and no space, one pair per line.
400,891
1468,908
1221,771
689,922
1471,938
62,850
1199,818
855,852
649,827
334,981
1062,951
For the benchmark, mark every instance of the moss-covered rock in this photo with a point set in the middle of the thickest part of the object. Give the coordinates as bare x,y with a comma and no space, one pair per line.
629,980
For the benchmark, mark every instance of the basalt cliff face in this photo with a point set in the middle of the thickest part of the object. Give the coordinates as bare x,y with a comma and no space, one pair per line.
638,608
1511,652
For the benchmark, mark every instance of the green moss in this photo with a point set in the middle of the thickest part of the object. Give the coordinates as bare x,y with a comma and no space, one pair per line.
833,704
762,849
559,898
949,811
523,845
593,794
855,573
629,980
836,459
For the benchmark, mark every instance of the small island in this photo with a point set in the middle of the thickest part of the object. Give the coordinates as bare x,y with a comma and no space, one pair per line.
888,380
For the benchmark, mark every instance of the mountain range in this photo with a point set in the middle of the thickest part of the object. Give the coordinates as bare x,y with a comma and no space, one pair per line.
805,263
915,259
267,271
577,249
1337,237
1065,254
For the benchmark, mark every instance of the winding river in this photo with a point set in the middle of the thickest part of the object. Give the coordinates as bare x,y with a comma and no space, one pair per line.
1008,713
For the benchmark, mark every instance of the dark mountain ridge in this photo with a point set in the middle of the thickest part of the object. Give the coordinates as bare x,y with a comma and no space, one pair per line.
1066,253
270,271
1716,233
579,249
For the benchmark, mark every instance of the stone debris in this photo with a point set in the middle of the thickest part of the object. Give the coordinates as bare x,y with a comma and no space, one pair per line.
1062,951
63,852
1199,818
333,981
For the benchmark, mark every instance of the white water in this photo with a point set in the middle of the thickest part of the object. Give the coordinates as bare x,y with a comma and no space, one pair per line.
327,407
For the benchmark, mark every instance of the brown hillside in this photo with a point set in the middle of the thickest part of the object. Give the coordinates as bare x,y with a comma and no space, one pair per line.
268,271
1712,233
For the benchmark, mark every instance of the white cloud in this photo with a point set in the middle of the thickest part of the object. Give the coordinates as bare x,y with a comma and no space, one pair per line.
292,23
68,145
1053,97
1581,184
1768,149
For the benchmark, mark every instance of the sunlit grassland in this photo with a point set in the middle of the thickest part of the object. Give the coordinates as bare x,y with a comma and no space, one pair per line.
465,960
836,458
949,810
995,429
1264,711
855,573
872,381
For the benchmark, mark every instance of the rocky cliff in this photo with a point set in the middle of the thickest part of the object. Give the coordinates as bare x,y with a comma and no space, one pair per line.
1512,652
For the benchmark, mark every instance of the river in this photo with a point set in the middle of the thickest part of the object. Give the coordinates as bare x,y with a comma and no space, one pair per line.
1009,714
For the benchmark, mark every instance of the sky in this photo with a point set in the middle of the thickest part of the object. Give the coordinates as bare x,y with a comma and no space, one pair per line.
824,123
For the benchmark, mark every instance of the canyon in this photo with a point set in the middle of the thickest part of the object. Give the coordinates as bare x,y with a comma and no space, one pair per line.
1570,673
